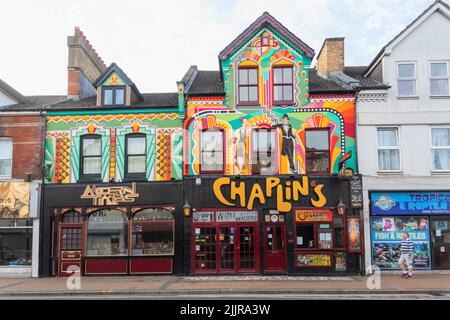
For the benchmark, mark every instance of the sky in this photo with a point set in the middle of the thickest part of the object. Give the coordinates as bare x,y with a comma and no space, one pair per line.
155,42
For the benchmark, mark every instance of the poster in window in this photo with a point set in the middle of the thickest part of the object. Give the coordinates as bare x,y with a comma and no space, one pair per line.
340,261
386,241
313,260
354,234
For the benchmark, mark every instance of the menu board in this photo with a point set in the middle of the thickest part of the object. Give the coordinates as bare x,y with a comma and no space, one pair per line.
356,192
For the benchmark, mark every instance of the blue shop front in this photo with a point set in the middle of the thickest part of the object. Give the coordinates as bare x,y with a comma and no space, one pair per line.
425,215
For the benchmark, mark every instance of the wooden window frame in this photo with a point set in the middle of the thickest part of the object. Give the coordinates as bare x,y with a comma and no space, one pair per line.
321,150
114,89
89,177
135,175
283,84
247,86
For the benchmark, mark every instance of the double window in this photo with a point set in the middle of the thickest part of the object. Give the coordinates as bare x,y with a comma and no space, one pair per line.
91,156
6,149
263,151
317,151
282,85
440,149
248,85
212,151
439,78
113,96
135,155
406,79
388,149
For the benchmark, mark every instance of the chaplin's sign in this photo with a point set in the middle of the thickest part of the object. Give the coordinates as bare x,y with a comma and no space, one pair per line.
110,196
228,192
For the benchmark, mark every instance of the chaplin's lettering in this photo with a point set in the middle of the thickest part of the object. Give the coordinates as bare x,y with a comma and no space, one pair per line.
284,192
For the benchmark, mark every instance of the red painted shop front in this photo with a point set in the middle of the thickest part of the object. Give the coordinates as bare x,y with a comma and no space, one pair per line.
225,242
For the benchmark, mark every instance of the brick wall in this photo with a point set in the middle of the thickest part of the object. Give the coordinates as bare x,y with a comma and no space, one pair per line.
26,133
331,56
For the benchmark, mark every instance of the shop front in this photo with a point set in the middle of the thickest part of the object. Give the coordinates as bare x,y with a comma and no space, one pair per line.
271,225
113,229
425,215
19,228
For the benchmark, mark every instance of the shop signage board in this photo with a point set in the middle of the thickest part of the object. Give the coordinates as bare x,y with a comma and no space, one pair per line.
14,200
203,216
313,215
236,216
356,192
102,196
410,203
387,235
313,260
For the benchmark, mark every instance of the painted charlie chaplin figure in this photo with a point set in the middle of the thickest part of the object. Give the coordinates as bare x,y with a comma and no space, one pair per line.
287,147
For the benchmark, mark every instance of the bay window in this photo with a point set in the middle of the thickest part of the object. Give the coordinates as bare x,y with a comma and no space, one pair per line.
107,233
153,232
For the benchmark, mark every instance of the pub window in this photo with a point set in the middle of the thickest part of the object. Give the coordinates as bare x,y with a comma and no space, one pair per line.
248,85
325,238
282,85
212,151
72,217
107,233
152,232
135,154
16,237
91,156
305,236
5,158
317,151
113,96
263,151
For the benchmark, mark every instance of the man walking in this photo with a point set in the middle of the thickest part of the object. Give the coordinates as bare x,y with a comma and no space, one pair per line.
406,255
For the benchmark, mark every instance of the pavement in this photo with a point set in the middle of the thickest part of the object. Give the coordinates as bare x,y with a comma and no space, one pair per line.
165,286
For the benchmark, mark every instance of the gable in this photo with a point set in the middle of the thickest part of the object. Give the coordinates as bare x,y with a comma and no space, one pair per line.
6,100
113,80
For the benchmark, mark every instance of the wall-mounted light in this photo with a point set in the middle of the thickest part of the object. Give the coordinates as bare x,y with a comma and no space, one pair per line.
187,209
341,207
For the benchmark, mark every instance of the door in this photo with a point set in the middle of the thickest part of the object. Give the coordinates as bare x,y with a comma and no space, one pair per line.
247,248
70,245
226,248
440,234
275,248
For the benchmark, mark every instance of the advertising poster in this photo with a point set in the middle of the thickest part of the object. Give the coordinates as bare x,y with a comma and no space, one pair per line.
387,236
410,203
354,234
313,260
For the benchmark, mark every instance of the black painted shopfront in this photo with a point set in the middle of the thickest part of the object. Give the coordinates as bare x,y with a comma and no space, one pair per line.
112,229
272,225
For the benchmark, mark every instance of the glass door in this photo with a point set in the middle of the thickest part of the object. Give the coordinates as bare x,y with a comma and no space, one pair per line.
226,248
205,249
440,234
247,248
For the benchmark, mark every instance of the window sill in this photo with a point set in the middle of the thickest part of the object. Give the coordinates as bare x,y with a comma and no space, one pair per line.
389,172
407,97
440,172
440,97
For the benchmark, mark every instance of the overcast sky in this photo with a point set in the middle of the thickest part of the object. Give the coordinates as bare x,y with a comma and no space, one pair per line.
155,42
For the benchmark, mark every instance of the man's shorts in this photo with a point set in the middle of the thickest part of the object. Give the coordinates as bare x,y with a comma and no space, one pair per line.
406,260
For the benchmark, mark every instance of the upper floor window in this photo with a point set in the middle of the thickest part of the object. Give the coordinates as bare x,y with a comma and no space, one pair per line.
6,149
135,154
282,85
440,148
91,156
317,151
113,96
212,151
263,151
388,149
406,79
439,84
248,85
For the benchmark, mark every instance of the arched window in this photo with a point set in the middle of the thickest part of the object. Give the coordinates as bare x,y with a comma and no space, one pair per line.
153,232
107,233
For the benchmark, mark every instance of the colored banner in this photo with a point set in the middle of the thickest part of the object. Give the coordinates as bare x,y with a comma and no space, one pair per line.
410,203
386,235
313,216
313,260
14,200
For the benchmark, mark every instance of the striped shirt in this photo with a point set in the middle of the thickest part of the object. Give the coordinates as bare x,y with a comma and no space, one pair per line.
406,246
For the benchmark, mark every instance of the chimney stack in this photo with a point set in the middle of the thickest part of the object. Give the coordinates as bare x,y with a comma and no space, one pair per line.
84,66
331,56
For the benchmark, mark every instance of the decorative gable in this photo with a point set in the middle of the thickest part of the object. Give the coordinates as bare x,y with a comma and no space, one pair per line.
114,80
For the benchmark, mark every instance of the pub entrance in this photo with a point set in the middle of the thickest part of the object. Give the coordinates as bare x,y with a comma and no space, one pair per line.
225,242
